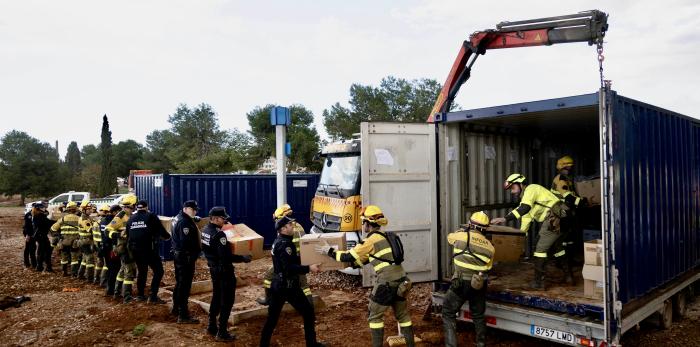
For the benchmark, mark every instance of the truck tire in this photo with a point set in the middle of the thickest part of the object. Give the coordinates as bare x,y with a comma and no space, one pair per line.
666,315
680,307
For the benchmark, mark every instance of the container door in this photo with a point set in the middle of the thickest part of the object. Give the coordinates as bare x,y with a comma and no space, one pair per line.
398,175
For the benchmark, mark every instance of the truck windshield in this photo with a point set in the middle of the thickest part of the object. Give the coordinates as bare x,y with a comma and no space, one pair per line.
340,176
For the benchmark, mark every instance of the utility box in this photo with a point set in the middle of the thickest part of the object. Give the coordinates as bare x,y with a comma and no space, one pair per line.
280,116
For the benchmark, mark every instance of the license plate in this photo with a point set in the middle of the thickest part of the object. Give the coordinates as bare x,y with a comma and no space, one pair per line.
552,334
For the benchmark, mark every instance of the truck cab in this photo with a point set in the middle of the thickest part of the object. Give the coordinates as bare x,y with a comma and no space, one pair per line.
60,199
337,202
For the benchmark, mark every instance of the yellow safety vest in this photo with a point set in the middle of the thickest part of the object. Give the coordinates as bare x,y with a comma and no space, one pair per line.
86,224
298,233
68,225
565,187
377,246
472,252
540,200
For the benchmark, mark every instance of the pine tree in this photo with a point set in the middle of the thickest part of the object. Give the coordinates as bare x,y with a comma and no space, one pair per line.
108,180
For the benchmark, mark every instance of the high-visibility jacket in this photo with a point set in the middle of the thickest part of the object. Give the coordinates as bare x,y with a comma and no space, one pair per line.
375,250
296,238
116,230
472,253
86,224
536,202
67,225
566,188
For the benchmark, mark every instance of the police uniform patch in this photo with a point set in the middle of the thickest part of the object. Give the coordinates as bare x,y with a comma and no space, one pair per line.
223,241
186,230
289,250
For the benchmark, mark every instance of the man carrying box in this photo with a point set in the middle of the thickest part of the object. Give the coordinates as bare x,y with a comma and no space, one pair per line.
286,285
223,279
286,211
392,286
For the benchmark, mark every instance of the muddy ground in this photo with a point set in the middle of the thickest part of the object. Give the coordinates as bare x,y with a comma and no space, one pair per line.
65,312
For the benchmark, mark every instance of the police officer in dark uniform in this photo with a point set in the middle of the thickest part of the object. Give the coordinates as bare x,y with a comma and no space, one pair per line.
42,225
145,230
186,248
107,249
285,285
29,242
220,260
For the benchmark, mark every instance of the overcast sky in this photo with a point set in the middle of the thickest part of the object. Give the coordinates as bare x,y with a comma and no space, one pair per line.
63,64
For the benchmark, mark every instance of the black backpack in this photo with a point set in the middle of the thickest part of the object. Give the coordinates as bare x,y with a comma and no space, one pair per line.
396,248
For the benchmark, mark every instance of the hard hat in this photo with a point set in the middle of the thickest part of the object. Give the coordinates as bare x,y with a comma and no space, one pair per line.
514,178
85,204
479,218
218,211
71,205
104,208
284,220
374,215
129,200
284,210
565,161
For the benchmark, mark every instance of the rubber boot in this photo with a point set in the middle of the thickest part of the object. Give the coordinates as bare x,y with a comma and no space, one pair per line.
90,274
74,270
538,281
265,301
118,290
480,335
65,270
81,272
407,333
450,333
568,274
377,337
103,279
127,294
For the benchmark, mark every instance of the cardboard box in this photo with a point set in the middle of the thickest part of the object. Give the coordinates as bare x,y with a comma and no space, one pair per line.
169,222
508,248
593,252
593,281
309,256
589,189
243,240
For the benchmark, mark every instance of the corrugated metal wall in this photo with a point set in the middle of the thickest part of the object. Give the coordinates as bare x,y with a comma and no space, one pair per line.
656,176
249,199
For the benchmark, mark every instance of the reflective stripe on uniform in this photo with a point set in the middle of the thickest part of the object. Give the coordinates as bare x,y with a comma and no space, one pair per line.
128,282
483,258
120,279
90,265
97,268
267,284
406,324
104,268
515,213
380,266
578,200
74,263
357,257
560,253
540,254
472,266
379,325
64,262
307,291
382,252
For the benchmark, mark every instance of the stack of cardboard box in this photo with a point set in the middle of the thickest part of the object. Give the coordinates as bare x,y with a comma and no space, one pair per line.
593,270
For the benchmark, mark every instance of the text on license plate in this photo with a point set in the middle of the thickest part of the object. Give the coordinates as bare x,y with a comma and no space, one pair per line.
552,334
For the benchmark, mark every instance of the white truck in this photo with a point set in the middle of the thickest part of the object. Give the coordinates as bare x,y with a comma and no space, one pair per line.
78,197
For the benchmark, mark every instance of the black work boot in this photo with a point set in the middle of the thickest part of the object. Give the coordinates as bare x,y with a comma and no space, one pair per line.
74,269
224,336
265,301
118,290
65,270
81,272
90,274
127,294
450,333
187,319
480,335
377,337
103,279
568,274
211,328
538,282
407,333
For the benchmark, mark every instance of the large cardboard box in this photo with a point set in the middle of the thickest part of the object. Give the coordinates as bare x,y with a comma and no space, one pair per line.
593,252
589,189
169,222
593,281
243,240
309,256
508,248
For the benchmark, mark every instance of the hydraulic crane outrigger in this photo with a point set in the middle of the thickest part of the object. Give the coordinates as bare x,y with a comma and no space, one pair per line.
588,26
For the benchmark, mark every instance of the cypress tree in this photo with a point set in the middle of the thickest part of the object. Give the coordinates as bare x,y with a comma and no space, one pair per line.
108,180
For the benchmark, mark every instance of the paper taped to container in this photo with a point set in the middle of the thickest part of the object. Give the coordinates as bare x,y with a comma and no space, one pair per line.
243,240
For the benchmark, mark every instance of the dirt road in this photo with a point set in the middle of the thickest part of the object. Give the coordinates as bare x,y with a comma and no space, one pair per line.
58,315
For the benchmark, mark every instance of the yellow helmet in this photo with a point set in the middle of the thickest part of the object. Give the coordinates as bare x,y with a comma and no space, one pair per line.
104,208
565,161
514,178
479,218
284,210
71,205
85,204
129,200
373,214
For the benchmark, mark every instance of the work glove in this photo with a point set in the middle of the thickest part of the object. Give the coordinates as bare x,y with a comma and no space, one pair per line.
247,258
196,219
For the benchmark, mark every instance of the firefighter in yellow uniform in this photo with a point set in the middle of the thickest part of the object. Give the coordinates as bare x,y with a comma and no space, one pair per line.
68,228
392,285
563,184
100,264
86,223
472,257
116,230
541,205
286,211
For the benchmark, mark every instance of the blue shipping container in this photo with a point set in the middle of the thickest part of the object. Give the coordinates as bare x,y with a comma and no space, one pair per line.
249,199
